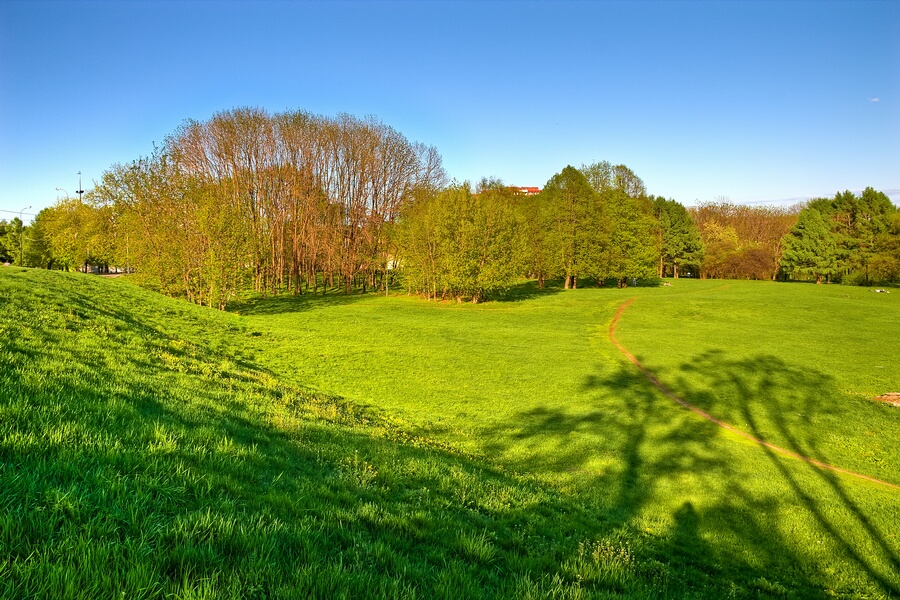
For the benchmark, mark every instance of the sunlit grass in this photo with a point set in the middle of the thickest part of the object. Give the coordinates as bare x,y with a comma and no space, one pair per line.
796,365
366,446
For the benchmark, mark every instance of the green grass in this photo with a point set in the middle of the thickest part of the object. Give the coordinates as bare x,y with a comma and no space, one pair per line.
365,446
796,365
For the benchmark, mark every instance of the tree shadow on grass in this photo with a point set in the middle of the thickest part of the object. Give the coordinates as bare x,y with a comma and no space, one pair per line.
529,290
803,412
728,509
286,303
151,473
160,478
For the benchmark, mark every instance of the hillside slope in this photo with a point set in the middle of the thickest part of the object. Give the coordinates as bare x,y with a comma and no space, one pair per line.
143,454
151,448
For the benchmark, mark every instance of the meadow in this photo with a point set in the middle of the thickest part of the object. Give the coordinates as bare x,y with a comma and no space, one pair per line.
369,446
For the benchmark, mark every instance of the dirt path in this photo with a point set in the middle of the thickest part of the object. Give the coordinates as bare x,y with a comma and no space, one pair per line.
722,424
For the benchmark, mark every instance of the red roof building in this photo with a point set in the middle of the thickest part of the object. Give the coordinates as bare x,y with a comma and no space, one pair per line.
527,191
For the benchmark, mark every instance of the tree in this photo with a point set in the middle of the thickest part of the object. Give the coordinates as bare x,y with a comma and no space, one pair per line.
720,243
605,176
14,241
5,252
885,264
539,256
38,252
461,244
680,245
810,248
858,225
757,233
280,202
632,250
577,229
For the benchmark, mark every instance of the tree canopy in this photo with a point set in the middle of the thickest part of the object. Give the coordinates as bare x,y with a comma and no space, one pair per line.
297,203
810,248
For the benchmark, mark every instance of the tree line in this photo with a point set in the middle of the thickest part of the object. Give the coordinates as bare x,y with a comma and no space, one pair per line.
301,203
848,238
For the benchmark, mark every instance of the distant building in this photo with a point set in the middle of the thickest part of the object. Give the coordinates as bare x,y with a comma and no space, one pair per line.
527,191
522,191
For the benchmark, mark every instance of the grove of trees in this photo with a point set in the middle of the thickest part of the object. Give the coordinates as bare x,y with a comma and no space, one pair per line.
301,203
742,241
284,202
848,238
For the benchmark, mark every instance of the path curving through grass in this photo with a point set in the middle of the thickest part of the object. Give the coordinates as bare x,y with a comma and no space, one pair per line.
662,388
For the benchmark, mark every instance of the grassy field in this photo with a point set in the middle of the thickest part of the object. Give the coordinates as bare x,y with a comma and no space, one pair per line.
365,446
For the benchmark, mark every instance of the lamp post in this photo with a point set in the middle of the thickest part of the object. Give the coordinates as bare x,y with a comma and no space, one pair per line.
59,189
22,236
79,191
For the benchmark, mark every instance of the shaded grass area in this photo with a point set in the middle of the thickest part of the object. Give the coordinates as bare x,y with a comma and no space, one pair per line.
143,454
505,450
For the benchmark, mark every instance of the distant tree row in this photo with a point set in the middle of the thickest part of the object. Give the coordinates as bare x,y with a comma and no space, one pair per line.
297,203
70,235
742,242
593,224
848,238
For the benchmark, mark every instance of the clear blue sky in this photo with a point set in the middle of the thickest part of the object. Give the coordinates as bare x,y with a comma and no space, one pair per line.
754,101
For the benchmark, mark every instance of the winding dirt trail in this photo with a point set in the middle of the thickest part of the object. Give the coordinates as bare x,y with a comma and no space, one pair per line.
656,382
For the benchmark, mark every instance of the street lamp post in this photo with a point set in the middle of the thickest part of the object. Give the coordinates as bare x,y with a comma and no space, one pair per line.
79,191
59,189
22,236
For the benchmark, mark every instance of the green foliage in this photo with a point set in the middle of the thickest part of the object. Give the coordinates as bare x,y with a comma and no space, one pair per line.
462,245
176,231
860,228
632,246
72,234
623,246
604,176
679,238
578,229
539,255
885,264
810,247
5,253
38,252
12,241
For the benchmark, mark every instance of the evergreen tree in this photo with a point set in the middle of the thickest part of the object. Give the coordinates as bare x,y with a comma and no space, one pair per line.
810,248
858,225
885,264
680,246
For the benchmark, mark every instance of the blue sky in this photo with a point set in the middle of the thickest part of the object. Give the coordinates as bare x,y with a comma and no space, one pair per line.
759,102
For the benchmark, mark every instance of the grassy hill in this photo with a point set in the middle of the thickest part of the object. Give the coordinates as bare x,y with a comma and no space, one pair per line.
386,447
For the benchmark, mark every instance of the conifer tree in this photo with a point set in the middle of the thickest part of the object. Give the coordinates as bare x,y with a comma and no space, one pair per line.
810,248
